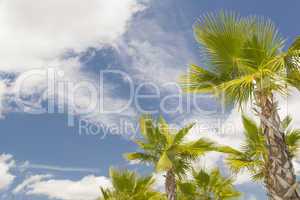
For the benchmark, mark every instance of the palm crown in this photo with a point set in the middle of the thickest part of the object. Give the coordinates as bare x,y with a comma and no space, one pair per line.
166,149
253,155
209,186
131,186
244,55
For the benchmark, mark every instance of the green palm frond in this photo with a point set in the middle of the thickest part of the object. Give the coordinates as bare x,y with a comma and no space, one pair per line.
237,90
292,136
265,38
243,55
251,129
167,149
253,154
258,176
255,141
240,163
286,122
180,135
187,190
292,61
293,141
200,80
227,150
143,157
296,44
129,185
147,129
208,185
123,181
222,37
293,78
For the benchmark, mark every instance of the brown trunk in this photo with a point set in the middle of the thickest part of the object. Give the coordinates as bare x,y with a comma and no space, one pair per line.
170,185
280,179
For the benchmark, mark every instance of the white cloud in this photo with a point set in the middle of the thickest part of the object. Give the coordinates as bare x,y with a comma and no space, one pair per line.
6,177
159,184
37,35
85,189
252,197
290,106
243,177
225,132
156,55
29,181
153,62
36,32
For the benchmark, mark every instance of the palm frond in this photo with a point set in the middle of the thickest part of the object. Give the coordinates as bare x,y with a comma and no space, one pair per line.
182,133
292,139
166,149
243,55
143,157
222,37
199,80
209,185
253,133
147,129
240,163
130,185
238,90
198,147
286,122
292,64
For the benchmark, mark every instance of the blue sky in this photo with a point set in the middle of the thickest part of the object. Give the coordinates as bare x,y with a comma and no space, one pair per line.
153,44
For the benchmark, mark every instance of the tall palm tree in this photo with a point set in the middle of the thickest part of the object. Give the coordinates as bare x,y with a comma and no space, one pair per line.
245,63
130,186
167,150
208,186
253,155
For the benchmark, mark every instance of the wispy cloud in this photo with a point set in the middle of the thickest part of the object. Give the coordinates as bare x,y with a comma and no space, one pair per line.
28,165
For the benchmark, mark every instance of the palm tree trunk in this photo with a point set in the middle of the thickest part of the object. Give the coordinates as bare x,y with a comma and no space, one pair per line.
170,185
280,180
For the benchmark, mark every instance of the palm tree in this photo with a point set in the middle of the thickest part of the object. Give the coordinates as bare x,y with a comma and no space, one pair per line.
167,150
253,155
245,63
129,185
208,186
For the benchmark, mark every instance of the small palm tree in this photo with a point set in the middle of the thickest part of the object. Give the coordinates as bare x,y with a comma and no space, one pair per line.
167,151
245,62
208,186
130,186
253,155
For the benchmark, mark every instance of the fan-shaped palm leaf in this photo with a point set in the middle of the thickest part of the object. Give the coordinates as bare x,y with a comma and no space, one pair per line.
167,149
209,186
129,185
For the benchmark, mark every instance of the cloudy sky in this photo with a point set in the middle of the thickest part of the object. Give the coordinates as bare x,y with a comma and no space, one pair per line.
75,76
